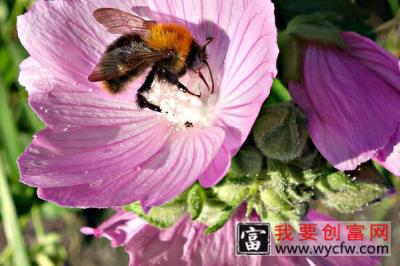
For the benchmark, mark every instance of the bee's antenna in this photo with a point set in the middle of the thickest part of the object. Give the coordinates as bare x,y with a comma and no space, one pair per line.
208,41
203,79
211,75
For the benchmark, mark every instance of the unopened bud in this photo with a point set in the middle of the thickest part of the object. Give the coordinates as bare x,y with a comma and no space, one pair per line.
280,132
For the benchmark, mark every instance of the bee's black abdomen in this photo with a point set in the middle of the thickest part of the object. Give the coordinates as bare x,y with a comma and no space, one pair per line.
124,40
117,85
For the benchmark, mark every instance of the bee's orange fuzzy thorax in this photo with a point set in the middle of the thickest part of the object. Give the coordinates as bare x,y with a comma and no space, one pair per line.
167,36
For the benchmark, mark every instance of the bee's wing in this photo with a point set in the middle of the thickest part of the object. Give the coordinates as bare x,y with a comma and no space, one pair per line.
120,22
125,60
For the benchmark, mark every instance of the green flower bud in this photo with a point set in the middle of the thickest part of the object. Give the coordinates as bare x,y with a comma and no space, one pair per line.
280,132
309,159
245,165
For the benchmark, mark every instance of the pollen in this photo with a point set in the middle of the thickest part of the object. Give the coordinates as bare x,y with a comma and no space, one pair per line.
183,109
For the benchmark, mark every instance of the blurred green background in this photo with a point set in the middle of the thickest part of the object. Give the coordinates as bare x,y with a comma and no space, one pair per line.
33,232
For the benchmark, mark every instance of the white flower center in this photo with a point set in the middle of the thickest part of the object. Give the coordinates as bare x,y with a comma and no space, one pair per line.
180,108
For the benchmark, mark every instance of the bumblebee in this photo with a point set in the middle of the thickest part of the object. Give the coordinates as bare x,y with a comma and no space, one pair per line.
169,49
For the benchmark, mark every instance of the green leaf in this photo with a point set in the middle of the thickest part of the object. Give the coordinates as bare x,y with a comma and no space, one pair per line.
280,132
11,227
316,28
164,216
350,17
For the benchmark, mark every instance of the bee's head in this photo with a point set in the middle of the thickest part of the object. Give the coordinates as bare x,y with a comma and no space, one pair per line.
197,58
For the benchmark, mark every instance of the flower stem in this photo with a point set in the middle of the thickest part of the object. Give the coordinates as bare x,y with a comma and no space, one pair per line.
8,132
11,226
280,91
37,222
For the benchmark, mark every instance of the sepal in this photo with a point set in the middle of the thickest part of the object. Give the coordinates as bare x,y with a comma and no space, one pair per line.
317,28
164,216
348,192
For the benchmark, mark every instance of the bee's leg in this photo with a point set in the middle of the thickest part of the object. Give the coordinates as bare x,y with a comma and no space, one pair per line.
144,103
186,90
146,86
173,79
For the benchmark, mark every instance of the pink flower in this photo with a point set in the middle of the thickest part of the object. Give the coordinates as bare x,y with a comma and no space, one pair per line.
186,244
351,98
101,150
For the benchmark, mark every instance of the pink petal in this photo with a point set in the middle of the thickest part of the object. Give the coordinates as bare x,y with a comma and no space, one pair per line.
183,244
186,244
64,37
374,57
118,229
251,59
389,157
84,155
62,103
179,164
32,72
217,19
169,172
99,150
352,110
244,32
217,169
244,42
